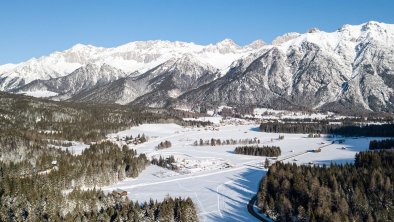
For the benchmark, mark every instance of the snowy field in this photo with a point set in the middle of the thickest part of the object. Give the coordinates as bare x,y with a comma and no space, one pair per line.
267,114
75,148
220,182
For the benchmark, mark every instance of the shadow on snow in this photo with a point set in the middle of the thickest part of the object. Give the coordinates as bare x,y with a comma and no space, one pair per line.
234,208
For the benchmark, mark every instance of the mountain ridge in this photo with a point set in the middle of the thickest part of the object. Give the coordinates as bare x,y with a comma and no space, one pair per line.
350,68
131,57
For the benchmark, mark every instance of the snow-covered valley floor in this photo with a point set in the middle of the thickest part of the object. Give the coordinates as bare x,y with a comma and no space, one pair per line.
220,182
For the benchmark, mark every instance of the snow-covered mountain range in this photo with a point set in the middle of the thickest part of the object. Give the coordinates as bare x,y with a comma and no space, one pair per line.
351,69
132,57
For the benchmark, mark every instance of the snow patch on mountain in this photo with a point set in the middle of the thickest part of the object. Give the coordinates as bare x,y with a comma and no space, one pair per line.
39,94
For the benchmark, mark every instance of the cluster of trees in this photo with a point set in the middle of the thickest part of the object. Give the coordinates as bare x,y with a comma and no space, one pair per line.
219,142
164,145
360,192
136,140
383,130
164,162
269,151
295,127
381,144
112,162
178,209
94,205
324,127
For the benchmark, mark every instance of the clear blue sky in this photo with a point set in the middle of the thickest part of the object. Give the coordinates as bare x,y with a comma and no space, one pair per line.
34,28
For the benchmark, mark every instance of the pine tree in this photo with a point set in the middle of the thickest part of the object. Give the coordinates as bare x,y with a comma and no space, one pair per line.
266,163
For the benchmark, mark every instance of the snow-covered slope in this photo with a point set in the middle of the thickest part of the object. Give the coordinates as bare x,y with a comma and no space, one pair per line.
351,69
173,78
156,86
55,65
135,56
82,79
6,67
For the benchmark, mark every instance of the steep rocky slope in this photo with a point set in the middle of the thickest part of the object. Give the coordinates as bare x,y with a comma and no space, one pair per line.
350,69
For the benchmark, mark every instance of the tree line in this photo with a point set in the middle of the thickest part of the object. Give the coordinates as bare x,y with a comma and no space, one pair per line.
222,142
170,209
269,151
164,162
362,191
324,127
164,145
294,127
381,144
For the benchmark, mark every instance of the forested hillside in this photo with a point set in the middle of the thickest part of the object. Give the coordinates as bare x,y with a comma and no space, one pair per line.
72,121
359,192
41,183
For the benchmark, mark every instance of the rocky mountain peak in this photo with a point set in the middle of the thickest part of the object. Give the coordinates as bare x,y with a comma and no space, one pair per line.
256,44
313,30
284,38
227,43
